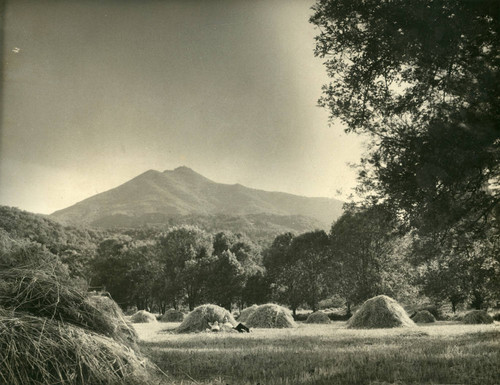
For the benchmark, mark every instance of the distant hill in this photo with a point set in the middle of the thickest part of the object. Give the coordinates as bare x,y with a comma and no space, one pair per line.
184,196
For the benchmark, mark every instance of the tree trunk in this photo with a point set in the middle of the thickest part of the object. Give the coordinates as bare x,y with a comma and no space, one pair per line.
453,307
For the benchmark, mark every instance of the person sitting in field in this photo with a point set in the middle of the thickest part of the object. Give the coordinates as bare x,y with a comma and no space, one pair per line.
214,327
240,328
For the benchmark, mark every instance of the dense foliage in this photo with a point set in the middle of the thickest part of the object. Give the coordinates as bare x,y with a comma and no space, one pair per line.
365,254
420,79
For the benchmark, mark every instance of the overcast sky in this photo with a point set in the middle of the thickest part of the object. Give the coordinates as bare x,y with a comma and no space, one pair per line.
97,92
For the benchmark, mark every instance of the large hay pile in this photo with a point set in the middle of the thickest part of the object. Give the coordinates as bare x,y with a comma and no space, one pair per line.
271,316
245,313
380,312
172,315
35,350
318,317
53,333
423,316
123,329
43,294
477,317
143,316
200,318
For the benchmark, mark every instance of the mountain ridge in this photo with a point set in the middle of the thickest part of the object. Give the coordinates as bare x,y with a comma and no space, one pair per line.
184,192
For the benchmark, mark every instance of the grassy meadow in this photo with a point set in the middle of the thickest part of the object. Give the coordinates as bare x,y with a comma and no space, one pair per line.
440,353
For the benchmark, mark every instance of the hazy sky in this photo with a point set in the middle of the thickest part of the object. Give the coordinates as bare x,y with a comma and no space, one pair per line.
97,92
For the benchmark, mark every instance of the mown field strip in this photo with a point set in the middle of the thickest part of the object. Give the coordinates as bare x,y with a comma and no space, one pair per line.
444,353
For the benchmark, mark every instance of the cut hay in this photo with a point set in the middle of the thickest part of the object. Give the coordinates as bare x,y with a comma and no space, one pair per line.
477,317
318,317
172,315
245,313
271,316
200,318
423,316
380,312
42,351
142,317
43,294
124,331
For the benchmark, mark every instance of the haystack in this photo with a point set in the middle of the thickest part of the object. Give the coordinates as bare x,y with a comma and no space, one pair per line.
43,294
477,317
123,329
423,316
318,317
143,316
36,350
271,316
245,313
54,333
380,312
200,318
172,315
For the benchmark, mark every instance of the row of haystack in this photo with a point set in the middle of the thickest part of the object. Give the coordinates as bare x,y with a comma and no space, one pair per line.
263,316
143,316
53,333
377,312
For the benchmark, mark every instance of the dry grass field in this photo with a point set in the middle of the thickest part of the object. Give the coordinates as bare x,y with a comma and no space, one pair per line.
440,353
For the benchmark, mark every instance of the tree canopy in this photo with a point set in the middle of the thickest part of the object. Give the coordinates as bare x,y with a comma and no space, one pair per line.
421,79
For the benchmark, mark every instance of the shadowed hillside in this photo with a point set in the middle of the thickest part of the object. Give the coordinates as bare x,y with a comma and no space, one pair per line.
161,197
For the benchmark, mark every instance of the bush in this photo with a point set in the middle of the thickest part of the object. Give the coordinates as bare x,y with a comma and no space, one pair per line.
318,317
496,317
172,315
332,302
131,310
423,316
335,316
143,316
380,312
433,309
301,316
477,317
198,320
271,316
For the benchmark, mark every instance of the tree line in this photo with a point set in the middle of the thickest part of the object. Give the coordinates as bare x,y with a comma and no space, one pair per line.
364,254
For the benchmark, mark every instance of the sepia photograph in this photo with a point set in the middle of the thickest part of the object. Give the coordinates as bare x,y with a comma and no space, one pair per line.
249,192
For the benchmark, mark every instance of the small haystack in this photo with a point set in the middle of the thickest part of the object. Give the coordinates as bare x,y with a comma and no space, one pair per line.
271,316
423,316
477,317
172,315
46,351
318,317
200,318
123,329
380,312
142,317
245,313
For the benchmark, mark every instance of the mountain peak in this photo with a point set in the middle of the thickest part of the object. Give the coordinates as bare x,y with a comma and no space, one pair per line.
183,169
184,172
182,191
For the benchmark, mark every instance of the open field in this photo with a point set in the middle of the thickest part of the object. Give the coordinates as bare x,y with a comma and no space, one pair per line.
442,353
